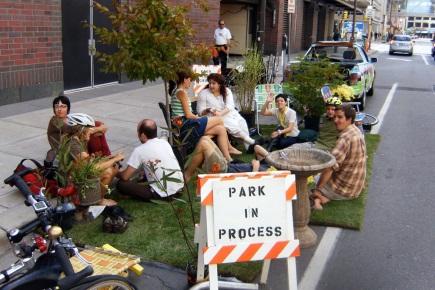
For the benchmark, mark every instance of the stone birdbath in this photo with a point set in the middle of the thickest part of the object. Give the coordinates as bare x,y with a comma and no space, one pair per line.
302,162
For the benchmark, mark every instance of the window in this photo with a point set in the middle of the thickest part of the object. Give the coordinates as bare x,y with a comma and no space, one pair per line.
417,18
410,18
418,24
425,24
410,24
425,18
432,25
401,38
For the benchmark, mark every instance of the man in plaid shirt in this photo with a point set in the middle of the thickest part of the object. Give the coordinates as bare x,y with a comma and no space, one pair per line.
345,180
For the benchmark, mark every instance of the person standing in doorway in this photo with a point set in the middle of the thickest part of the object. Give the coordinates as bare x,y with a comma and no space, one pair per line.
222,38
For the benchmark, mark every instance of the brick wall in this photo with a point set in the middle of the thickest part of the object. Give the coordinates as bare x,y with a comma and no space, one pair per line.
30,49
297,27
204,23
273,35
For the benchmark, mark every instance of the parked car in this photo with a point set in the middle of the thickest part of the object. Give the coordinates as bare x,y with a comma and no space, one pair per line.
358,68
401,43
433,49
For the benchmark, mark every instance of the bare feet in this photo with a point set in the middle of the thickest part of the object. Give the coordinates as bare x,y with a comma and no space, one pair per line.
234,151
107,202
317,204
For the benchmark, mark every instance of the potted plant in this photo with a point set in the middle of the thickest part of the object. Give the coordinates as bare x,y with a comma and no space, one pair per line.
304,85
85,174
64,164
245,82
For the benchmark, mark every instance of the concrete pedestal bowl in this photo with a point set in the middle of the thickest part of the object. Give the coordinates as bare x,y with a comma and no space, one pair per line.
302,162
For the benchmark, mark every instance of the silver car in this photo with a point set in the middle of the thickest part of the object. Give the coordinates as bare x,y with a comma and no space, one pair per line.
401,43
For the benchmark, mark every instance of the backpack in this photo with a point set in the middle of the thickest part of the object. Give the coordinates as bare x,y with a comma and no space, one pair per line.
36,178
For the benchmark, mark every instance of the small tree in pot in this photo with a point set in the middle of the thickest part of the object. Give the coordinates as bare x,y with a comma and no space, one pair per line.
85,174
246,81
306,79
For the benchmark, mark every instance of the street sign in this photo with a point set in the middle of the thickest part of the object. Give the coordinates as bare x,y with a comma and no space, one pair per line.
246,217
370,12
291,6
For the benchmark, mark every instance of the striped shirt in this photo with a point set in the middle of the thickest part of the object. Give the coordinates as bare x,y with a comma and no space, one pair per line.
176,106
350,170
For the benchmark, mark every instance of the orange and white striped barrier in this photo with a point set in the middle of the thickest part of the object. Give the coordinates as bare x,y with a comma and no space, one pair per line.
246,217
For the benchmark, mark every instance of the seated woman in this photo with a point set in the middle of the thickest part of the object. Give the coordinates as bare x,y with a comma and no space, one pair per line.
287,132
196,126
217,100
58,126
82,126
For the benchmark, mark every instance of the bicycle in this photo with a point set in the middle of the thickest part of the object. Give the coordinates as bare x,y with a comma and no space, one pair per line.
45,272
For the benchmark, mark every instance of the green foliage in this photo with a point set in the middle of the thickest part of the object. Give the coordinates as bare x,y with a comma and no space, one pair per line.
153,40
246,80
65,161
307,77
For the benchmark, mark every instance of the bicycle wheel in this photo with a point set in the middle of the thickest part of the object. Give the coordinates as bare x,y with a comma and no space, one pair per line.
105,282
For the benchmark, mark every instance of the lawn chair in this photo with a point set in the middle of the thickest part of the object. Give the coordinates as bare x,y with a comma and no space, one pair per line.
261,92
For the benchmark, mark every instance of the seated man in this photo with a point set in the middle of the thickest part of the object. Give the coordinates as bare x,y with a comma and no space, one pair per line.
328,132
211,160
158,159
345,180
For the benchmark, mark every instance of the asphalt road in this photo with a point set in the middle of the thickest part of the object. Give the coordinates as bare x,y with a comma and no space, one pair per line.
396,248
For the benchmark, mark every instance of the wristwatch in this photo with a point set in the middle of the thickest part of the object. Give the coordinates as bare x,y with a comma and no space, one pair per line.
279,132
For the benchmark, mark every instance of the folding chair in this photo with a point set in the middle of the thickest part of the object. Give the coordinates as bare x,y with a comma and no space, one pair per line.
261,93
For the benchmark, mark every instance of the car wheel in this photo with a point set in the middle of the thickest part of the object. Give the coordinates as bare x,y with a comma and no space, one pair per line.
391,52
410,54
362,101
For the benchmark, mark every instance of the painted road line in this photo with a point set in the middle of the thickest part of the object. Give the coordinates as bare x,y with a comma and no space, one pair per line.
401,59
317,265
321,256
383,112
424,59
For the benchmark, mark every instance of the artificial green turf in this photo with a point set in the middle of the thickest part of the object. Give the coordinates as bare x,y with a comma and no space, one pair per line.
349,214
155,234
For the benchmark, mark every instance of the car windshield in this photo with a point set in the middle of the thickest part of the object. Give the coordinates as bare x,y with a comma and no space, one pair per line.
401,38
334,53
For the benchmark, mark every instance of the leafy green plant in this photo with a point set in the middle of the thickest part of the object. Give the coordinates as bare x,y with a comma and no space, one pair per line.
65,161
84,172
306,79
153,39
246,80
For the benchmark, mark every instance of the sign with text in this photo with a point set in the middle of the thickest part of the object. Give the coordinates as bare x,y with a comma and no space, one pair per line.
246,217
291,6
203,71
249,211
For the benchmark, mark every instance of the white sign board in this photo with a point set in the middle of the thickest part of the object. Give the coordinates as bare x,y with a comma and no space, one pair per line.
249,211
203,71
291,6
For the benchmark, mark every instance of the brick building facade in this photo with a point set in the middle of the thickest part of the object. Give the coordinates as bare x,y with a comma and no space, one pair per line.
33,50
30,49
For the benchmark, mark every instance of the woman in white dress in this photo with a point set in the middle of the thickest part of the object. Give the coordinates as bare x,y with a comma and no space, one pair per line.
217,100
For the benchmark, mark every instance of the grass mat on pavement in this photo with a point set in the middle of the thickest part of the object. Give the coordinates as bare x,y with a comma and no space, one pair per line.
349,214
155,235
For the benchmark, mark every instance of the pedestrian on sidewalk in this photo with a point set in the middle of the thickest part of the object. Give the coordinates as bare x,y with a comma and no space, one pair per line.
222,37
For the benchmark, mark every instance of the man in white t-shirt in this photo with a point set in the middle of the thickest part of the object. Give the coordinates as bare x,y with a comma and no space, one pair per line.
157,159
222,37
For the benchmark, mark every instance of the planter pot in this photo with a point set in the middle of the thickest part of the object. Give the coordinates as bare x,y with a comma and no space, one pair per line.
312,122
90,193
249,117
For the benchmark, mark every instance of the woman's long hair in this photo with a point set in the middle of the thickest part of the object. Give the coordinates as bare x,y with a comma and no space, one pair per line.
181,76
221,81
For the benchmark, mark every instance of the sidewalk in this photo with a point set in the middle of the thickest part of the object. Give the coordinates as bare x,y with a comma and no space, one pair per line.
24,127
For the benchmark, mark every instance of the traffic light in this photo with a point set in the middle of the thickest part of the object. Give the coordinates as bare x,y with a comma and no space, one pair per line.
345,14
